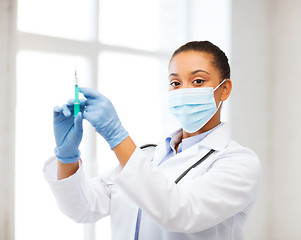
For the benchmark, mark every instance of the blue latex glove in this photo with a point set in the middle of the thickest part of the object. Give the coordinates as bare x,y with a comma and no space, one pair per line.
101,113
68,132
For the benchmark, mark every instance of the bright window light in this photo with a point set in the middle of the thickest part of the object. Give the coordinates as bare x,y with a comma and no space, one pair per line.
67,19
133,85
131,23
43,81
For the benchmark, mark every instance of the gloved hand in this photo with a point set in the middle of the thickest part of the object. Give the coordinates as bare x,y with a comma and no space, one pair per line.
68,132
101,113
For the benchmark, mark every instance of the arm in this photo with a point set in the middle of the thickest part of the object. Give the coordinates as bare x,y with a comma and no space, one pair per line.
84,201
65,170
124,150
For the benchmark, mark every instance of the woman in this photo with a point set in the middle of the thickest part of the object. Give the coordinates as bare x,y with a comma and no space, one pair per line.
149,196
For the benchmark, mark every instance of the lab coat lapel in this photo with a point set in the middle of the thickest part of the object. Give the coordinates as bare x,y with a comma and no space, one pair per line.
160,153
177,164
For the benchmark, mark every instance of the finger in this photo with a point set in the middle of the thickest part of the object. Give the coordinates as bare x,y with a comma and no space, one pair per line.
86,115
78,122
58,116
90,93
82,101
66,111
56,111
94,110
70,102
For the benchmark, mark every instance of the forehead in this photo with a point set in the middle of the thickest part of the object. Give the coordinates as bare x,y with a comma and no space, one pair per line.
189,61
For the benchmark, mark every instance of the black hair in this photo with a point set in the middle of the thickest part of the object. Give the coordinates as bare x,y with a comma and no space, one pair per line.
220,58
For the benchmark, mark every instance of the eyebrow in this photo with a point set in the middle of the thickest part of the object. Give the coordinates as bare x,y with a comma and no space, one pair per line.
192,73
197,71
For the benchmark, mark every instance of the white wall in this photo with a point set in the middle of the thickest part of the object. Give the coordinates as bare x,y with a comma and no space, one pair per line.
286,121
266,60
7,111
250,99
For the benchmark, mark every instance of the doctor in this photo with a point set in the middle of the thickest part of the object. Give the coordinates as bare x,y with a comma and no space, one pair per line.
149,197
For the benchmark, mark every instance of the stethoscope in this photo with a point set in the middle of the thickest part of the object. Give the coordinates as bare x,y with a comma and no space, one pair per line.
137,229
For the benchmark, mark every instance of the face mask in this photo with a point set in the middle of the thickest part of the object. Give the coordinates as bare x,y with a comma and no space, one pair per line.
193,107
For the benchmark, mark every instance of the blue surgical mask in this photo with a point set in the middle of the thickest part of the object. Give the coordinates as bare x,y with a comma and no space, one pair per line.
193,107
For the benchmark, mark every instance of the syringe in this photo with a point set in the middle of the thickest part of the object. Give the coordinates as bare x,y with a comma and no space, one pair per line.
76,99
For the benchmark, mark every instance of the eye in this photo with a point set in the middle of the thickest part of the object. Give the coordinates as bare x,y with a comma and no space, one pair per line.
174,83
198,81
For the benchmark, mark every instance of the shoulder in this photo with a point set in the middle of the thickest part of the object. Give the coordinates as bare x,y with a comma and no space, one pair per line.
236,150
239,158
149,149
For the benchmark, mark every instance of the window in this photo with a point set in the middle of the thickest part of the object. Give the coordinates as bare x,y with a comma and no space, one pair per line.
121,48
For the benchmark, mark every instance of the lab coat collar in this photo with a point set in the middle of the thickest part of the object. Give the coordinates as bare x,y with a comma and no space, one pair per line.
172,139
218,139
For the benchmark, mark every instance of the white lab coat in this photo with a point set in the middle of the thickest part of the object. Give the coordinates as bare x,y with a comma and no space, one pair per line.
211,202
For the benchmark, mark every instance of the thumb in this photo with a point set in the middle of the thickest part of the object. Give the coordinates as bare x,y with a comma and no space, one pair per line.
89,92
78,122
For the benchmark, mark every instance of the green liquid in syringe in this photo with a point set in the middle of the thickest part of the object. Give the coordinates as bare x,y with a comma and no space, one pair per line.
76,101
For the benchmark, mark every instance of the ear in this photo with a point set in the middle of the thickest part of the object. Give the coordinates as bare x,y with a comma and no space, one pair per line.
226,89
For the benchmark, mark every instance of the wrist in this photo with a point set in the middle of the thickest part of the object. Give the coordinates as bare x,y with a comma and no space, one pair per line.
65,170
119,136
